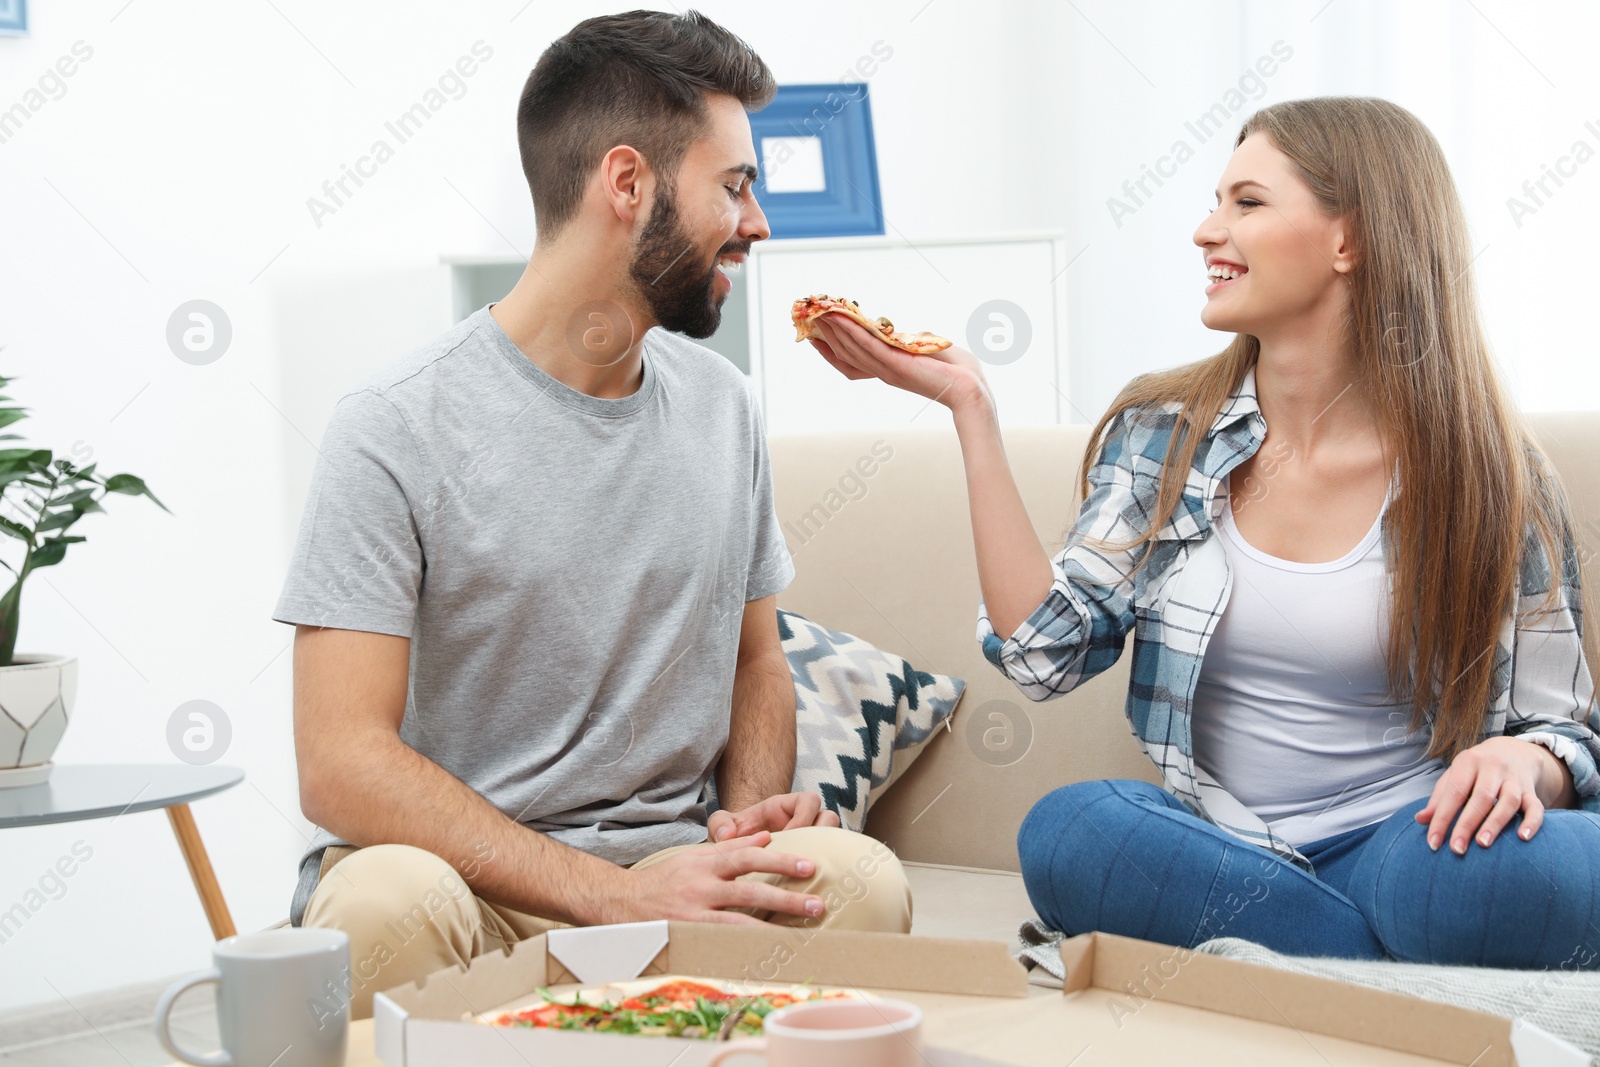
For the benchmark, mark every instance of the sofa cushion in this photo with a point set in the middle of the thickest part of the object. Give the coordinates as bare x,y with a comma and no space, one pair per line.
862,715
896,568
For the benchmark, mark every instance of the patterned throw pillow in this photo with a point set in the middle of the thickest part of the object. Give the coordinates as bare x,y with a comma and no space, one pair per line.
862,714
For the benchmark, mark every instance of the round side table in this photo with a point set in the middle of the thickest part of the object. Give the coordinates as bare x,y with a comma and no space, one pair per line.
109,790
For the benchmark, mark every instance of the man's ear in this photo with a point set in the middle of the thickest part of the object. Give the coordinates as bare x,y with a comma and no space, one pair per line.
624,181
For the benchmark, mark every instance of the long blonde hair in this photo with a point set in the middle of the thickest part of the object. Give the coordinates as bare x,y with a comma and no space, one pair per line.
1476,493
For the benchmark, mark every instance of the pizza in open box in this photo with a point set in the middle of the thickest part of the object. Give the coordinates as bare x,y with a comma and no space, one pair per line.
667,1006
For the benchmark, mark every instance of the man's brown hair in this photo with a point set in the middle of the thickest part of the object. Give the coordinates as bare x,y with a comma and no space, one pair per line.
638,79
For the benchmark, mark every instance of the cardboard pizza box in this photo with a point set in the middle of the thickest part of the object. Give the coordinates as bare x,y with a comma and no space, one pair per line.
1124,1002
1267,1015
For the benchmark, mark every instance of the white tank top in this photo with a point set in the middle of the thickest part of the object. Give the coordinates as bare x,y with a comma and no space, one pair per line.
1293,713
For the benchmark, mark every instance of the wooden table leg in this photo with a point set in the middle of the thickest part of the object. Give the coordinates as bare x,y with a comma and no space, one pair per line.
205,879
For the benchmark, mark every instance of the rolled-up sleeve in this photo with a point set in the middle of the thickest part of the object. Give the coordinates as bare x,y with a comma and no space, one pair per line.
1082,626
1552,698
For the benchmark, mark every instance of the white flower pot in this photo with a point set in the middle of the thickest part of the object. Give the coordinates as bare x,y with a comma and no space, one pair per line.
35,702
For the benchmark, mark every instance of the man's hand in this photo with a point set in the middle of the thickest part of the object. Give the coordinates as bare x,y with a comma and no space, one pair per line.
699,884
784,812
1488,784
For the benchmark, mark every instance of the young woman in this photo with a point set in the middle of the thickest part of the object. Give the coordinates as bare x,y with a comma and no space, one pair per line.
1352,583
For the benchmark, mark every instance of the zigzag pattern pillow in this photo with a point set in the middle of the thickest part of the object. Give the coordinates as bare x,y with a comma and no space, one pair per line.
862,714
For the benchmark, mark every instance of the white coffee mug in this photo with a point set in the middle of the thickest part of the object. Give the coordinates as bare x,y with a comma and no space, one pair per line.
837,1033
283,1000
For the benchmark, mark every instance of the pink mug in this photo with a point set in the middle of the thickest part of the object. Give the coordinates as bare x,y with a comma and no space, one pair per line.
838,1033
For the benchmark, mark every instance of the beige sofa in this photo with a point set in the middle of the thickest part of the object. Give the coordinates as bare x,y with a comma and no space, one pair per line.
893,564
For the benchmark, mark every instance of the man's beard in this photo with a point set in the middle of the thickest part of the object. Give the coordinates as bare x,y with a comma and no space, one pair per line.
670,276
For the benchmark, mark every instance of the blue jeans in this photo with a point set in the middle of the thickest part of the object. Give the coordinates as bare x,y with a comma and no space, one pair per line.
1127,857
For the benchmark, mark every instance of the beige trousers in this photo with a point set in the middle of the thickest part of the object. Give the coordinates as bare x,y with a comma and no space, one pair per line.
409,913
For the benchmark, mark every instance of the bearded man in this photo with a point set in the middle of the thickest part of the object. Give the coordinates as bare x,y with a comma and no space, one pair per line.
535,584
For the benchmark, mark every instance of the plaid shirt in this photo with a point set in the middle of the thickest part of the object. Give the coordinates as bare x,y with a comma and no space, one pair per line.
1542,691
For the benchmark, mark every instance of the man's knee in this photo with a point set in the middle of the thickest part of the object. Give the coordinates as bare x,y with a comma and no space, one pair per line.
408,913
859,878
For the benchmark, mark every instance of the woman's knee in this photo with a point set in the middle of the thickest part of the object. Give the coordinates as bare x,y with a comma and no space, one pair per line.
1073,837
1103,801
1513,904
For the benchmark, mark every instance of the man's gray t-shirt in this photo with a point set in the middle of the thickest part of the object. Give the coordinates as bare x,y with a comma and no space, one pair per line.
571,571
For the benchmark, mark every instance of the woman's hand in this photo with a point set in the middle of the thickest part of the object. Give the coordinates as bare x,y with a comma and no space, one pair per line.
1013,569
1488,784
952,377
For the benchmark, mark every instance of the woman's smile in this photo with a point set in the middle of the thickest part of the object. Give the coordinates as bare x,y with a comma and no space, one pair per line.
1223,273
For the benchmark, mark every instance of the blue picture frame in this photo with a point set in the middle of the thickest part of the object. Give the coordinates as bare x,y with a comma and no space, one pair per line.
839,116
13,17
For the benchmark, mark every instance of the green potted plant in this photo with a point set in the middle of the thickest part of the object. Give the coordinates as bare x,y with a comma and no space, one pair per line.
41,498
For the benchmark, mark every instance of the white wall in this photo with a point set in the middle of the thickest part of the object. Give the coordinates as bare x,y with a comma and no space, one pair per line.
178,162
1475,73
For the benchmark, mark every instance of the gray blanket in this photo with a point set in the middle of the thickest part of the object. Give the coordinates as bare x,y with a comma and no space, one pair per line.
1563,1003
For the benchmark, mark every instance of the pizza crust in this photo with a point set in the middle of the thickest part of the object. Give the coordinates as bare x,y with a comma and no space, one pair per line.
808,309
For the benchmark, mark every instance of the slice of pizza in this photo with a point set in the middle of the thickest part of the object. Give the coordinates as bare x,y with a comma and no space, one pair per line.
808,309
668,1006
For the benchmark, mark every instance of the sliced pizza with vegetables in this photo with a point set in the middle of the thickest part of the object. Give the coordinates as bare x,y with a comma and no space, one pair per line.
670,1007
808,309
